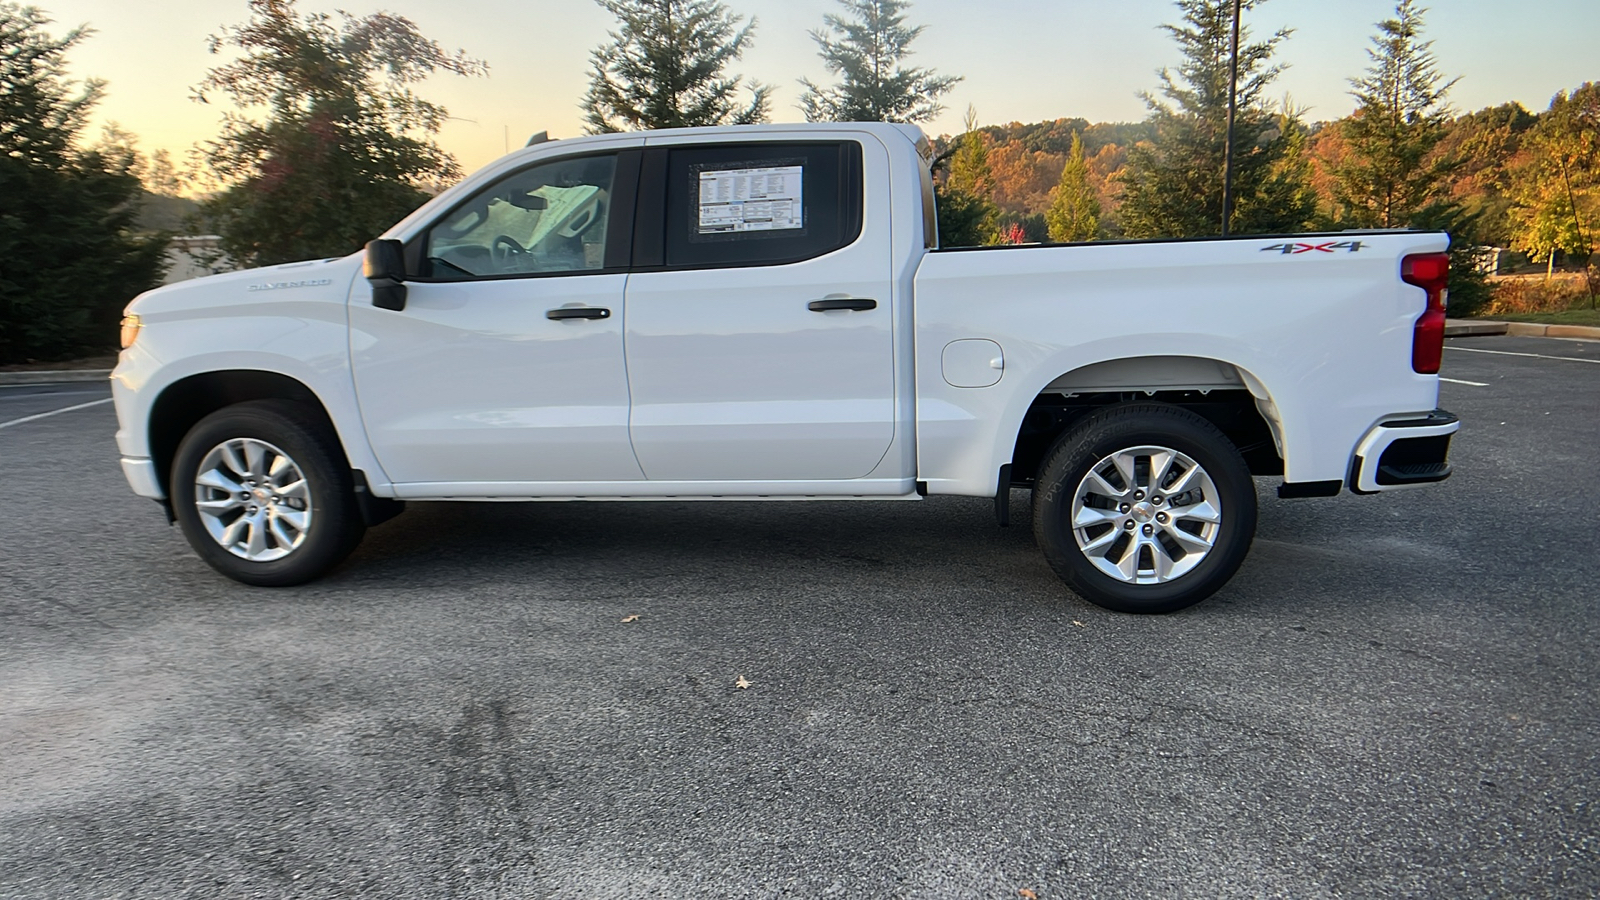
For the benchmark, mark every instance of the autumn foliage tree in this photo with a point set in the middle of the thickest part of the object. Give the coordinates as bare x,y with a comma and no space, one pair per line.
1023,178
1484,145
1556,179
666,67
70,257
345,148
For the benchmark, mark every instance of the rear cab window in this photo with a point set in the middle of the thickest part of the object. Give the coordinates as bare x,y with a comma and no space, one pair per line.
755,204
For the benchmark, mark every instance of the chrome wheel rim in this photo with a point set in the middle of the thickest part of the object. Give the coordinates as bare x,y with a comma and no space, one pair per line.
1146,515
253,499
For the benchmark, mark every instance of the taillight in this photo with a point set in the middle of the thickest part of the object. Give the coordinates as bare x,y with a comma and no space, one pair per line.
1431,272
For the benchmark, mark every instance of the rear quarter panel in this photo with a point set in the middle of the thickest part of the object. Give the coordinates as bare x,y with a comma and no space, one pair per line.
1326,335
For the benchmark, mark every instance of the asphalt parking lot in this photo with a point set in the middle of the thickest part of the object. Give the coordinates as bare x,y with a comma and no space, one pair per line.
1395,697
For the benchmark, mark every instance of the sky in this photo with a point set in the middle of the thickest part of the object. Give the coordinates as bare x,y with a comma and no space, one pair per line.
1021,60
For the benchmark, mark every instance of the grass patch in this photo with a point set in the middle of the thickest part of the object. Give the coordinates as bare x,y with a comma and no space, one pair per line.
1563,317
1559,300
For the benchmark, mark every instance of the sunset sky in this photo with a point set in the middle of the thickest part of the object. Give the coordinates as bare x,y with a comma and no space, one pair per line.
1024,60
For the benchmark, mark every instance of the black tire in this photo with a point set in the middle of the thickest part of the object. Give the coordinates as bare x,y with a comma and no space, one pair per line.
334,526
1123,428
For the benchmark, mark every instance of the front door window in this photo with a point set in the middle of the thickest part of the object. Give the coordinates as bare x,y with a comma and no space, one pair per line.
547,219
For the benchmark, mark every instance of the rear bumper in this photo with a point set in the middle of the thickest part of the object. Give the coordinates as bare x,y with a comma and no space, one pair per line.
1404,453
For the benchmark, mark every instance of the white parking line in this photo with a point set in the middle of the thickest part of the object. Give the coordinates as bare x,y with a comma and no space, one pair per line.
1534,355
53,412
1459,381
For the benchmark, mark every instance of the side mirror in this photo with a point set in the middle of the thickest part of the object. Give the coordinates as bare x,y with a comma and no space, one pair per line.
385,268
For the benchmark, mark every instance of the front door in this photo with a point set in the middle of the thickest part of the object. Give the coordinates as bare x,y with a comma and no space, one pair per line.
506,365
761,348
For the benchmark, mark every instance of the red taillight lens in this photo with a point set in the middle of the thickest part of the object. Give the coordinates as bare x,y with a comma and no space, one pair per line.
1431,272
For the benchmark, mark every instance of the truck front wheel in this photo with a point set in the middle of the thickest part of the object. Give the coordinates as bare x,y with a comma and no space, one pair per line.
263,495
1144,508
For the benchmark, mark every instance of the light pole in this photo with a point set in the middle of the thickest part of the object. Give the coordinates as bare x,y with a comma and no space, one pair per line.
1227,141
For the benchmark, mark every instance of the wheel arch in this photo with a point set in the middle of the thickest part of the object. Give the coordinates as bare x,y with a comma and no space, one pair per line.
1223,392
186,401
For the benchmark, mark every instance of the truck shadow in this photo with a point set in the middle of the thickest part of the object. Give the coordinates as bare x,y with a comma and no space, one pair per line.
1345,553
720,540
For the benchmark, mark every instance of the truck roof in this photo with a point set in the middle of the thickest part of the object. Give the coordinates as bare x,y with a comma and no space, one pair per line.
902,130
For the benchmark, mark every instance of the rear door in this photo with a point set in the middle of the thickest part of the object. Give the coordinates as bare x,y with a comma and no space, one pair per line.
758,332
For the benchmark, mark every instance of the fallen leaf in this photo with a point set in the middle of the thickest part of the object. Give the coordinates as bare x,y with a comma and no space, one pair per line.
742,683
632,618
1024,891
1077,624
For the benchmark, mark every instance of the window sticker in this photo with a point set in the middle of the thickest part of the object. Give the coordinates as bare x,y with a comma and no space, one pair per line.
766,198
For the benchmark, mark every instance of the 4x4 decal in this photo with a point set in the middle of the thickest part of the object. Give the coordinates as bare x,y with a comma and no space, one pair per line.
1325,247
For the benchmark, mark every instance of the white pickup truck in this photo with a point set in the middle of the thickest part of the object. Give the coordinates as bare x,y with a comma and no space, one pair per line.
764,312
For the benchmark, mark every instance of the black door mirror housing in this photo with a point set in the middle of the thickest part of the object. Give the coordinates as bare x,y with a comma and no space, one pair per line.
385,268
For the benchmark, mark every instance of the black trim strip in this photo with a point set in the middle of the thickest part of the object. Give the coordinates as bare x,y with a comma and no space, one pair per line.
1002,497
624,197
1299,489
650,217
852,192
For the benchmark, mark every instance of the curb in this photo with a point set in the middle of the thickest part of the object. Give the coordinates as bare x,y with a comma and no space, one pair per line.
1478,327
1531,329
1472,328
54,376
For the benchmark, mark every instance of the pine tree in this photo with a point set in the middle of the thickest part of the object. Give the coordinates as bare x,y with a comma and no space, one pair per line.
967,212
969,165
1390,171
1172,186
69,256
346,147
1285,200
865,52
1074,213
664,68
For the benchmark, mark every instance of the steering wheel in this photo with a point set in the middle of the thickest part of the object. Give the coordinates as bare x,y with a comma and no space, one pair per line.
505,251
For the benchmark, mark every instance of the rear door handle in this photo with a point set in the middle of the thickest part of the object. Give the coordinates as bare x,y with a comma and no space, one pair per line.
578,312
841,303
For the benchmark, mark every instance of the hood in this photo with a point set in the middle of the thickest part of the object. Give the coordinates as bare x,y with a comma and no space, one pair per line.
314,280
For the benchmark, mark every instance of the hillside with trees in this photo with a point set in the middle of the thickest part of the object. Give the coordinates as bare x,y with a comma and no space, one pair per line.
1499,177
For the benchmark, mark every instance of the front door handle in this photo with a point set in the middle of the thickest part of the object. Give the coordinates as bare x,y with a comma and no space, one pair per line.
841,303
578,312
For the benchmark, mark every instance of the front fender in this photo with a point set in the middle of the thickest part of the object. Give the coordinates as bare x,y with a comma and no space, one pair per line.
310,346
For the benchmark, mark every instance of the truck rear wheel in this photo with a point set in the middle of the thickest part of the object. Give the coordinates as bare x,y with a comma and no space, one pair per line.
263,495
1144,508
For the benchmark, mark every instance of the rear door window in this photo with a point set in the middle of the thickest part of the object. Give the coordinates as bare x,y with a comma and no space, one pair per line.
760,204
